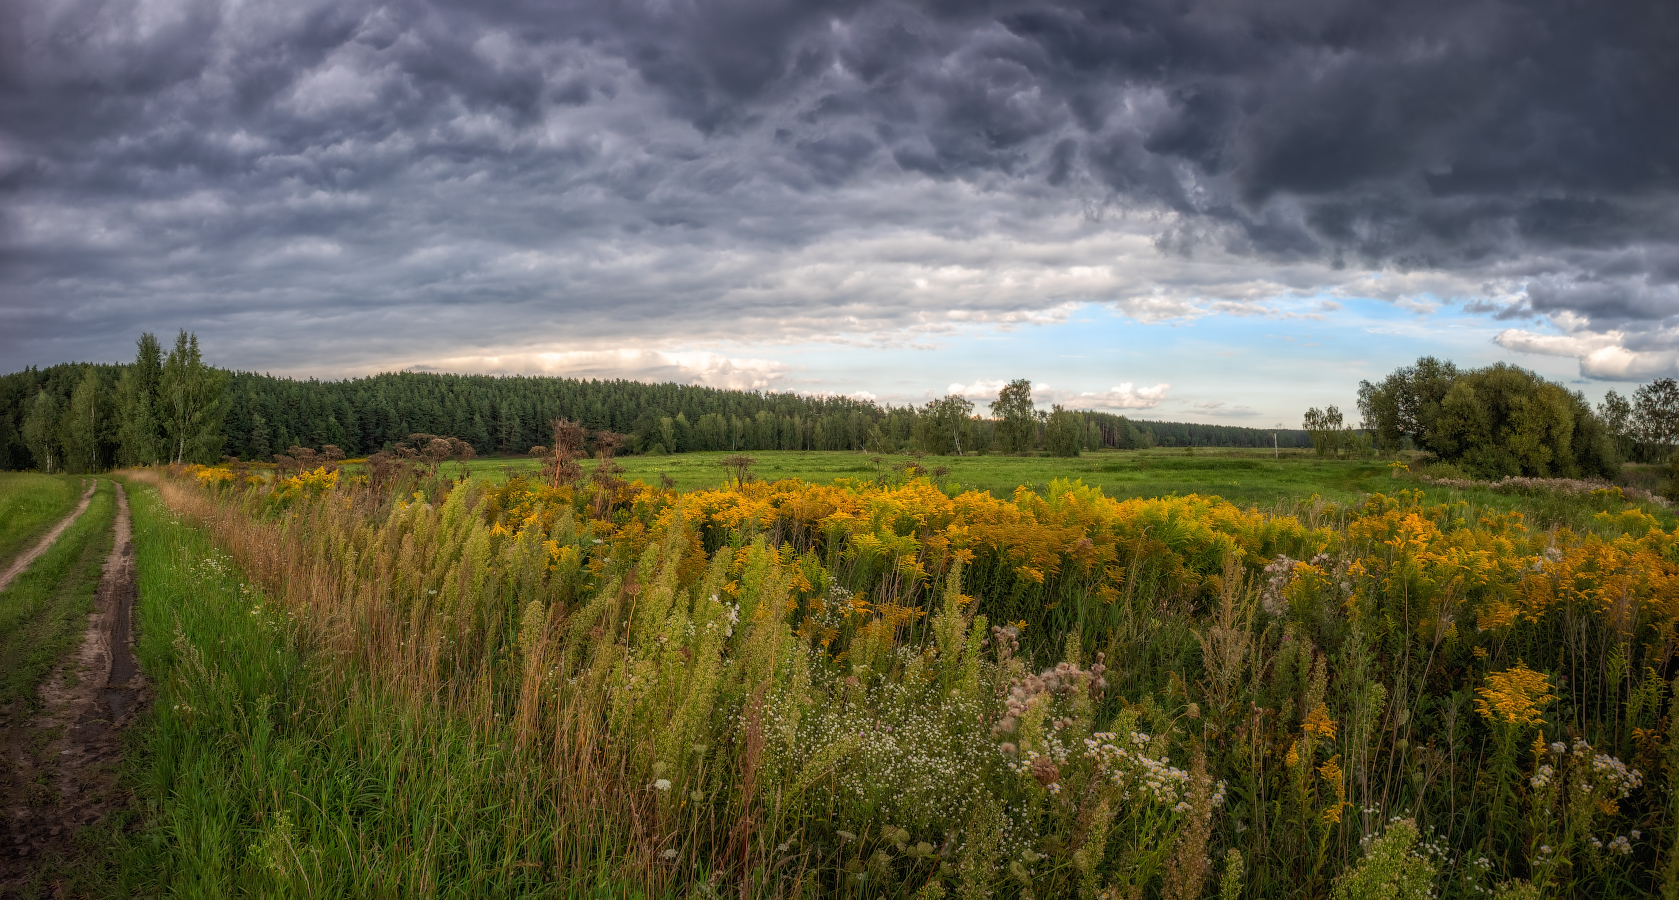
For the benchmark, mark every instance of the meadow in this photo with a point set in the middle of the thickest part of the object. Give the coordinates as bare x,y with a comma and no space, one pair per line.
894,683
1242,476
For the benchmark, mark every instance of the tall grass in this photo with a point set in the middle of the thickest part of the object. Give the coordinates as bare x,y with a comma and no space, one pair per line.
789,690
266,767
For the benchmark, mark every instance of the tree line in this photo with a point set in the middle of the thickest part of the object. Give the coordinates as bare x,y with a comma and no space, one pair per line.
1504,420
171,406
163,407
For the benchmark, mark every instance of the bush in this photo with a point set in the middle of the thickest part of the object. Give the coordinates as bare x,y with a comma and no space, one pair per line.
1493,422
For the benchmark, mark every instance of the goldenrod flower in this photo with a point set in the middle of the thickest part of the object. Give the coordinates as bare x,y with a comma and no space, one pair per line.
1319,723
1514,696
1332,775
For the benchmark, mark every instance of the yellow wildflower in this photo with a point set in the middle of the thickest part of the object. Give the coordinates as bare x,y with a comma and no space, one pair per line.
1333,776
1319,723
1514,696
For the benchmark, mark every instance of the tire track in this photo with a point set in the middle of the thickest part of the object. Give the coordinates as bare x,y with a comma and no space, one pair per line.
72,748
28,556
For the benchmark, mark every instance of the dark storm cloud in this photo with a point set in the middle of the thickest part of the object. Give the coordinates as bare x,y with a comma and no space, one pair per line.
358,181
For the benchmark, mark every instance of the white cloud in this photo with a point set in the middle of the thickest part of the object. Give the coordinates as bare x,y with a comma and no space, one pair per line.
1124,396
684,366
1576,345
1601,355
985,389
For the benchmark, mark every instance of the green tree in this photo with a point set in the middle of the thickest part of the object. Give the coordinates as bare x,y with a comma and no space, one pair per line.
1616,414
192,401
40,431
1325,427
1064,432
1496,421
1017,418
85,423
1504,420
259,445
945,426
1655,415
1406,403
137,429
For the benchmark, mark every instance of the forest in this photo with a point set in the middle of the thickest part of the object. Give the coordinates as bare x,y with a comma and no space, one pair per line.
87,417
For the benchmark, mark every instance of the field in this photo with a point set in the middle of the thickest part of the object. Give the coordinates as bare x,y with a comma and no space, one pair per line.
29,504
1241,476
1245,477
848,678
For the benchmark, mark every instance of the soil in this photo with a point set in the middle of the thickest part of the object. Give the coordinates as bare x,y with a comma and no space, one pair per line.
60,765
28,556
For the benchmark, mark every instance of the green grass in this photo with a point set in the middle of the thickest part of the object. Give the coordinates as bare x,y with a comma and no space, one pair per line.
266,769
1248,477
44,611
31,503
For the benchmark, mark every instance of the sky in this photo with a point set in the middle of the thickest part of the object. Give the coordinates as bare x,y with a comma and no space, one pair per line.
1196,210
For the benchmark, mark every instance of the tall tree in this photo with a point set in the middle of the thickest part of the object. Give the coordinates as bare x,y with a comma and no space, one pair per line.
1616,414
1655,414
192,401
85,423
1064,432
137,431
1017,418
1406,403
1504,420
40,431
945,426
1325,428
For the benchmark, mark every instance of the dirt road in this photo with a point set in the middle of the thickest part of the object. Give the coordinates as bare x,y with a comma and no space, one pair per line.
28,556
60,766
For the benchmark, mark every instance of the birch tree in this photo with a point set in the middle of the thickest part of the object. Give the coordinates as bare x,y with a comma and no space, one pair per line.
85,424
137,398
1017,419
40,431
192,399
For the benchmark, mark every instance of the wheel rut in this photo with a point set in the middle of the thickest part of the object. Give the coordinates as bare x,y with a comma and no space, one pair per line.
61,765
28,556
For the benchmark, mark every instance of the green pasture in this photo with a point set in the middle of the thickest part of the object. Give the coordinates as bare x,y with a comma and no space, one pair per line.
31,503
1247,477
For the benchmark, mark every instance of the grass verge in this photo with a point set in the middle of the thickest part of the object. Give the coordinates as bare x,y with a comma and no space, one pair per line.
268,768
44,612
31,503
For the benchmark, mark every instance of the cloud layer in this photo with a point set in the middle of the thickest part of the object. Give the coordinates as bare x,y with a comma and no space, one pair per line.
346,186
